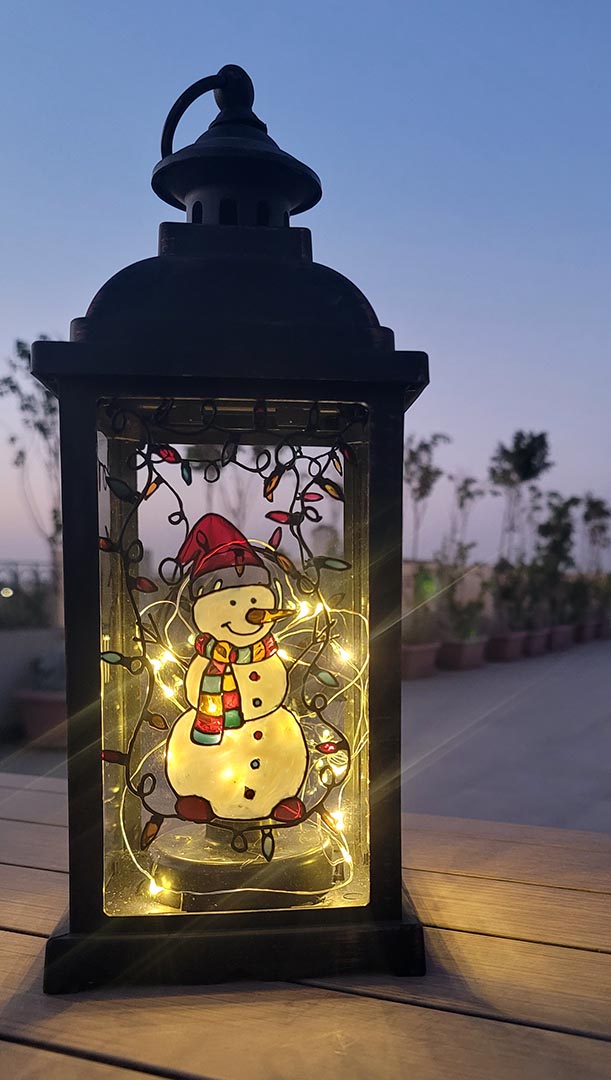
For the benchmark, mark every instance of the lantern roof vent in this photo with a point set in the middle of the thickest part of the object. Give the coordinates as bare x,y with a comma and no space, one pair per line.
234,174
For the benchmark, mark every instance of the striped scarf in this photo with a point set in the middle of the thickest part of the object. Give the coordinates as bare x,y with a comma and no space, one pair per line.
219,705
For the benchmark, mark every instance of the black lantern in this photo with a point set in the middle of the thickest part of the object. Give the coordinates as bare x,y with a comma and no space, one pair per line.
232,444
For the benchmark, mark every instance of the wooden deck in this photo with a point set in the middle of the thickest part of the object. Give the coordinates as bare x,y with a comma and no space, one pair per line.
519,948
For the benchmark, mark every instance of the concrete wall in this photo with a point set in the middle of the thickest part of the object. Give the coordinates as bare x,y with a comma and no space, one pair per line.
18,648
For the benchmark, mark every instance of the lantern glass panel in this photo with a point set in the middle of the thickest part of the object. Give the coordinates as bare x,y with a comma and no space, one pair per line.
234,653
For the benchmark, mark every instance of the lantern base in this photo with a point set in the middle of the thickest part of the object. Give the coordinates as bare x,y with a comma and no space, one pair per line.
196,886
76,962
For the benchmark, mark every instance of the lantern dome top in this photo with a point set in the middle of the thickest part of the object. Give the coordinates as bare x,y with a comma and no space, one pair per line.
233,174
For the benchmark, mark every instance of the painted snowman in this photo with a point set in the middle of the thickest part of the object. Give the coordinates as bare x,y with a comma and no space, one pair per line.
236,753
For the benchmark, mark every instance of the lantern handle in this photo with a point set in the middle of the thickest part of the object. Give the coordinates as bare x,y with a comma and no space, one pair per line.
234,92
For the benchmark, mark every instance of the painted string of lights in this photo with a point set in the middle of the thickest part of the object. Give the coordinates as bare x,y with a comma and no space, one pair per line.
308,647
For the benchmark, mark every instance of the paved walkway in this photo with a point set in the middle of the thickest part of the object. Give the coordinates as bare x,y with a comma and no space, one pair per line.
526,742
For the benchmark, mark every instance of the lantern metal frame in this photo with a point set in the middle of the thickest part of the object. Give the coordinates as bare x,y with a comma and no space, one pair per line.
121,349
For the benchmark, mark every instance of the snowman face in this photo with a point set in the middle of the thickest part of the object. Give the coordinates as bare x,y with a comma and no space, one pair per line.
223,613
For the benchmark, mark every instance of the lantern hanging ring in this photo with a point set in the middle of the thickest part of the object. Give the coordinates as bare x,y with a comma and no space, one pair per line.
233,89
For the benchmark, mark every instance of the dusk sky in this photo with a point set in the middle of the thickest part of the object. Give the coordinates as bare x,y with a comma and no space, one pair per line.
464,153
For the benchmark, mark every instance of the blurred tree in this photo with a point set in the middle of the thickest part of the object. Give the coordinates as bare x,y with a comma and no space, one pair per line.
461,586
511,468
38,439
466,492
595,518
420,475
555,553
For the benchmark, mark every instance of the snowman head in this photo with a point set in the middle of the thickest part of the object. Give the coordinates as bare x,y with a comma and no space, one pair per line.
222,612
228,580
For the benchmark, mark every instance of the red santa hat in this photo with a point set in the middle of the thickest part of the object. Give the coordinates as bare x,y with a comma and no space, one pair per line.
215,546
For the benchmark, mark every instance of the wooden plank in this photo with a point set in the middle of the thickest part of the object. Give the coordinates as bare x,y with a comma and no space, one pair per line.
42,846
538,864
44,807
32,1063
564,989
502,830
35,901
264,1031
32,901
529,912
24,781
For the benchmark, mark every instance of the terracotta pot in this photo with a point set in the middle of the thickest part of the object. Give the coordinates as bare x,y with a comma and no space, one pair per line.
560,637
43,715
536,642
509,646
461,655
603,628
585,631
417,661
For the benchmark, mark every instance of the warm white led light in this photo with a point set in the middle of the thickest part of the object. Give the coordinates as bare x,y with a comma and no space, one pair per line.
154,888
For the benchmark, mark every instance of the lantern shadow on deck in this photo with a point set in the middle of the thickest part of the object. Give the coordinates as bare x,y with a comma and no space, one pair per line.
232,446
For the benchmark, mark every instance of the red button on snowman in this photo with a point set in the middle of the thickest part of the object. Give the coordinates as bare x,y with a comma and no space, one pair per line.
236,753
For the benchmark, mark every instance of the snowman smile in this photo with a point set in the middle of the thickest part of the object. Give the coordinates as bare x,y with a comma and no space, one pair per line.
238,633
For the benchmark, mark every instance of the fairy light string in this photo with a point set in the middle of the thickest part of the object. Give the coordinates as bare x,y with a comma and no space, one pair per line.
292,471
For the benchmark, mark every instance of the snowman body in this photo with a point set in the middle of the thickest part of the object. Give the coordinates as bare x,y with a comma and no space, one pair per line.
253,769
264,761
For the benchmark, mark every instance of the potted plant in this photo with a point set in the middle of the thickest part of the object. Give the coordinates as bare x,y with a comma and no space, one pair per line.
420,639
513,469
582,601
508,587
420,635
42,703
555,558
536,610
461,586
464,646
596,518
602,605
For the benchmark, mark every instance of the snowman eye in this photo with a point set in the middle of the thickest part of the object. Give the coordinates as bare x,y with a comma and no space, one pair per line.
253,599
233,603
255,763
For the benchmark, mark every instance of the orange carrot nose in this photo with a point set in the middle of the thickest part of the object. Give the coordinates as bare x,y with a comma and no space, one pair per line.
258,615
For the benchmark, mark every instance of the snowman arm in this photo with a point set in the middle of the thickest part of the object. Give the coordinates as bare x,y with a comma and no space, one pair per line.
193,679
